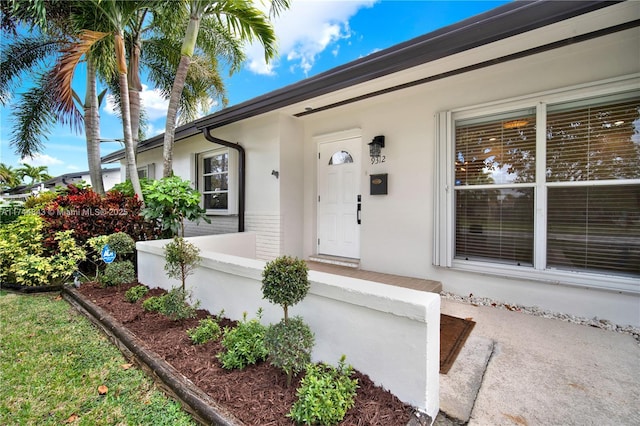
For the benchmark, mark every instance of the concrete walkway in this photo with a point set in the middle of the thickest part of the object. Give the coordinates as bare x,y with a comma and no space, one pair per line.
519,369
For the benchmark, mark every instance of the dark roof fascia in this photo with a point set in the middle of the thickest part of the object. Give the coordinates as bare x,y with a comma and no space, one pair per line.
500,23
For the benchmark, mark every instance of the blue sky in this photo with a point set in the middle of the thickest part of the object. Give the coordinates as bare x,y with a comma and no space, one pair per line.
313,36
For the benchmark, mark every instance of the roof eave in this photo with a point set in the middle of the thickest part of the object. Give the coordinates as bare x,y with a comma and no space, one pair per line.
500,23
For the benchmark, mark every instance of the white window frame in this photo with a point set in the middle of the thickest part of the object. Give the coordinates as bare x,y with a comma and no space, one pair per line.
149,171
232,173
444,211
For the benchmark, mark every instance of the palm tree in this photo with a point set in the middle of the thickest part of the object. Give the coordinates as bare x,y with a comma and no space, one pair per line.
36,173
231,17
9,177
116,14
36,113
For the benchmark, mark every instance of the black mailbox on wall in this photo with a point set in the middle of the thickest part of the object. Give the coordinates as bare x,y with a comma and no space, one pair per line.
378,184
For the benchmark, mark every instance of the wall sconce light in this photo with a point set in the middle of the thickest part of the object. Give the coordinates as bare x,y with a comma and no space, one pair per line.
374,149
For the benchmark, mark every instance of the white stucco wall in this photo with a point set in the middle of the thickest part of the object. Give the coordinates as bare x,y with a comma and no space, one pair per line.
397,229
389,333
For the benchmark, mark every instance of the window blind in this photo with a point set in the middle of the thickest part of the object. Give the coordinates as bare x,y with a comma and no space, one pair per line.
589,143
495,224
594,228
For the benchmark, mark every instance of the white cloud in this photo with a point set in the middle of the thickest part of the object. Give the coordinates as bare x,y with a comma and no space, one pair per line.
155,106
41,160
306,30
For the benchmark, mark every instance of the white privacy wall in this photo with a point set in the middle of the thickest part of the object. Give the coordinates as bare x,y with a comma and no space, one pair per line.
391,334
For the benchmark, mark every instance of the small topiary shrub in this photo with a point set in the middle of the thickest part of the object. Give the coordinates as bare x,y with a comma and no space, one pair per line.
175,305
208,329
181,258
153,304
325,394
135,293
289,344
121,243
244,344
285,282
117,273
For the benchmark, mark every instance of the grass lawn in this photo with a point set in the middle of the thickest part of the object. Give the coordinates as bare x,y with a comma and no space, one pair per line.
53,362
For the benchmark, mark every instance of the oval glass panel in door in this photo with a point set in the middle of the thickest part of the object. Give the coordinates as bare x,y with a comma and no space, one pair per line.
340,157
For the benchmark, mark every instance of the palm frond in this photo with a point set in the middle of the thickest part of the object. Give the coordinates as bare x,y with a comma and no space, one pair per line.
24,55
33,118
62,76
247,22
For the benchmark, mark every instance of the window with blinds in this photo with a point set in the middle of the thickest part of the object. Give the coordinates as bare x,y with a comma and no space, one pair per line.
495,223
589,199
594,227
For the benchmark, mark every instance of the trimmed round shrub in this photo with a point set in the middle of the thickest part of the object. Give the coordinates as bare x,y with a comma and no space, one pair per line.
121,243
117,273
285,282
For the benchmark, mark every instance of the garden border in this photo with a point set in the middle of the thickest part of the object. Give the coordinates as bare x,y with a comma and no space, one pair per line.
196,402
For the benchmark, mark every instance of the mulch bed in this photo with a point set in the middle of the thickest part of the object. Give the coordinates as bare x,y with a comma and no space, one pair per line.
256,395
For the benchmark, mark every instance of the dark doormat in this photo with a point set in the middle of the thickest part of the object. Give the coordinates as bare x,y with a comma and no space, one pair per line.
453,333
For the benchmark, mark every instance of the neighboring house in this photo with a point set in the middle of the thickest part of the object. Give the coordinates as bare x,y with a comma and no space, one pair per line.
110,177
510,167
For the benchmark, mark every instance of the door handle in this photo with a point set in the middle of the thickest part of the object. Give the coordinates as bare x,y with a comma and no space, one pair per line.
359,209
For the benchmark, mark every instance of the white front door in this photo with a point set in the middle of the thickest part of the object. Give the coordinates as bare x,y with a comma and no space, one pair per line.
339,198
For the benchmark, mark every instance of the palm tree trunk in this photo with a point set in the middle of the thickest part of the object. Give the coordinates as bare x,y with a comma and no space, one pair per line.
129,152
92,130
172,115
135,86
188,47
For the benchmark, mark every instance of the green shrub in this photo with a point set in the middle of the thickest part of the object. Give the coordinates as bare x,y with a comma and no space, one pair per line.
18,239
244,344
175,305
39,202
208,329
117,273
38,270
171,201
181,259
325,394
10,211
121,243
153,304
289,345
135,293
285,282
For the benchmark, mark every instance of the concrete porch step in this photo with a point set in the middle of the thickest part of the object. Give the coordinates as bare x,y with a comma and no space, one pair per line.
353,272
334,260
460,386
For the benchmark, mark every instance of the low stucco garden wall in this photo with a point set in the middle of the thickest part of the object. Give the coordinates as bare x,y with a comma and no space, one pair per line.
392,334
